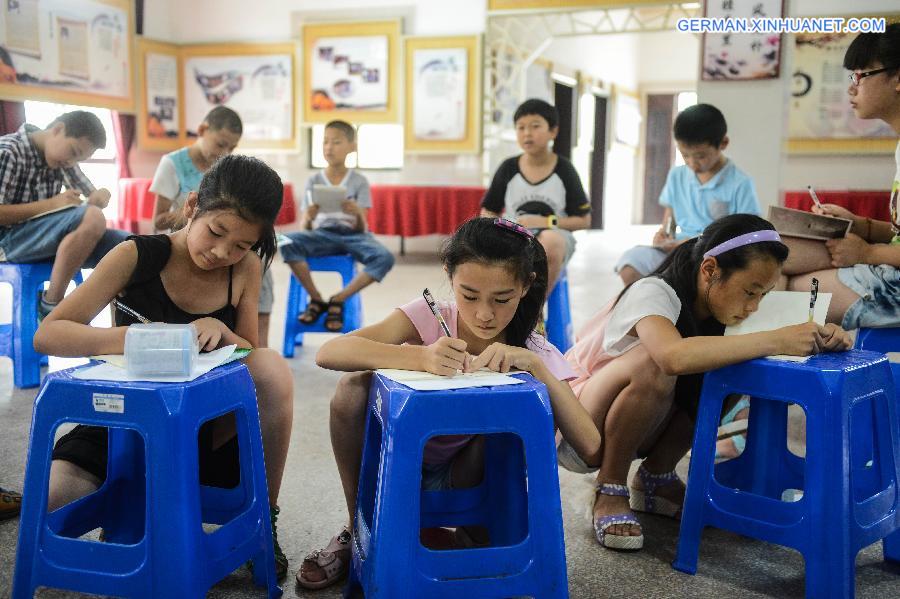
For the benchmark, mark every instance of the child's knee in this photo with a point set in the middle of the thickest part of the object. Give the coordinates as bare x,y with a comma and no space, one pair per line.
351,395
380,263
554,246
649,379
93,221
271,374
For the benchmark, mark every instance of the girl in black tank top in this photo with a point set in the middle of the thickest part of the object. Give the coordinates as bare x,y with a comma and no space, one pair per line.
207,274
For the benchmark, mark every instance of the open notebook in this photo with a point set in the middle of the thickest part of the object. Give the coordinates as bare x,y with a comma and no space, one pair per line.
425,381
780,309
113,367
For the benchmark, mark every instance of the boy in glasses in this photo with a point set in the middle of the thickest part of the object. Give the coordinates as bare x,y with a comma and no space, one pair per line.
862,271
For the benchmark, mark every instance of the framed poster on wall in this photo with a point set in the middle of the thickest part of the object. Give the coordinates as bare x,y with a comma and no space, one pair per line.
820,117
67,51
741,56
442,94
351,72
255,80
160,113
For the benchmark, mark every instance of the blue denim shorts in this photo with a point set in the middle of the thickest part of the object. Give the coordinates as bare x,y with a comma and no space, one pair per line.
38,239
375,258
878,287
643,258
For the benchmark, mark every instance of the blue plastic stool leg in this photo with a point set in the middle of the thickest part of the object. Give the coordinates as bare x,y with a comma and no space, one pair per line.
559,314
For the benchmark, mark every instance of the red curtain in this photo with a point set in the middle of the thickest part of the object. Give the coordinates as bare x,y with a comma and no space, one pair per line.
12,115
124,126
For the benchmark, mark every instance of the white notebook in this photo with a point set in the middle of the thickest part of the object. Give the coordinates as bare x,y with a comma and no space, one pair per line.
780,309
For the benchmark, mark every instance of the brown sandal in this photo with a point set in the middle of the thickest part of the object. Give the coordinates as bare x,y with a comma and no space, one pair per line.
314,310
334,316
333,562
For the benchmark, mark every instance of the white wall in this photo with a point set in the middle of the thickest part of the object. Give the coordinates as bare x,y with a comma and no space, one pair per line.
207,21
757,122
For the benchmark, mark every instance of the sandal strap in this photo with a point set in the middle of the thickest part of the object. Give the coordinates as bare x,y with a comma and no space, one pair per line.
601,525
612,489
651,482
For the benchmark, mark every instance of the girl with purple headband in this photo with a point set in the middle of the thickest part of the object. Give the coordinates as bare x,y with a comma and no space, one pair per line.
641,361
498,276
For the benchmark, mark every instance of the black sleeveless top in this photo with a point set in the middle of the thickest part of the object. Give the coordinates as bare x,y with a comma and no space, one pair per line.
146,295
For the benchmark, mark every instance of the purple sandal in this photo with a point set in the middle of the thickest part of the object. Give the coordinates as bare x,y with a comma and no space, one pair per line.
601,525
646,500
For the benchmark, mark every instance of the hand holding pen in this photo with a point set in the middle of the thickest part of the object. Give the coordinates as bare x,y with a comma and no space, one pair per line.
447,355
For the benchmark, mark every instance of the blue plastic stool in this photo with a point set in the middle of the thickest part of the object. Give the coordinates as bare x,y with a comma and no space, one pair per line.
345,265
879,340
158,548
840,511
17,338
523,517
559,315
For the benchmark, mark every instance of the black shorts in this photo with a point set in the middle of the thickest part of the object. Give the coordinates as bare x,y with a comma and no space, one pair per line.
86,447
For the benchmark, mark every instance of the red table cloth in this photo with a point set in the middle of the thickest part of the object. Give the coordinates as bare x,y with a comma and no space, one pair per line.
137,202
421,210
873,204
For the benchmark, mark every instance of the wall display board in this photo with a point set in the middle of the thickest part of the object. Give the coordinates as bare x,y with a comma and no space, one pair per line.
820,117
351,72
160,113
256,80
442,94
741,56
67,51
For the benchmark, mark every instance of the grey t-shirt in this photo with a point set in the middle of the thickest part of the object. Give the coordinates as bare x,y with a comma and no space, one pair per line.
357,190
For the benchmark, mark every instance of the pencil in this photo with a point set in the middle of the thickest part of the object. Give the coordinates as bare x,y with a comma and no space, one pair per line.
812,194
130,312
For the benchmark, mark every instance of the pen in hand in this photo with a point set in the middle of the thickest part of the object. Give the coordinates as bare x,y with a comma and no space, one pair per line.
432,305
133,313
813,294
815,198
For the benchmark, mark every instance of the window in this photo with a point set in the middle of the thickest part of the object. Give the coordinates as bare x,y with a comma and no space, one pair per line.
683,100
101,168
378,147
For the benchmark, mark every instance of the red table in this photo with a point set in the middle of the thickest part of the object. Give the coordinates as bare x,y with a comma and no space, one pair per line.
873,203
137,203
408,210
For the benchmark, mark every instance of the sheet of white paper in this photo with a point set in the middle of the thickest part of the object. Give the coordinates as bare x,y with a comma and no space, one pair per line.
425,381
109,371
780,309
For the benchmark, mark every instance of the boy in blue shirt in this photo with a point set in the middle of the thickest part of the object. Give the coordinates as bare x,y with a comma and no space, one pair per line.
707,187
344,232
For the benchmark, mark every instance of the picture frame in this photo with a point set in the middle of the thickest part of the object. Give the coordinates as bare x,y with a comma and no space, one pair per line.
351,72
443,92
68,52
160,118
258,81
741,56
820,118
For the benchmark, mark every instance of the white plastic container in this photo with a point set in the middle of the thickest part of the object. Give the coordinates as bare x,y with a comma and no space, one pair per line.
161,349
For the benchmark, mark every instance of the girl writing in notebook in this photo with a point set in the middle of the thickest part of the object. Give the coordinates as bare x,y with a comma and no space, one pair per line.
641,359
207,274
498,273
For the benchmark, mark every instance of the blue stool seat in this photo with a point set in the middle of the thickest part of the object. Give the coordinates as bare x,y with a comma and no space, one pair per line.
17,338
559,314
881,340
343,264
150,510
848,502
522,514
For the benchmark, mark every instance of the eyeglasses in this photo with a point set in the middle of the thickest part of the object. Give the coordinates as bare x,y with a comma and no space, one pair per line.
855,78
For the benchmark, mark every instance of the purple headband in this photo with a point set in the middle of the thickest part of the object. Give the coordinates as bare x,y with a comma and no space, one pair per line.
514,227
741,240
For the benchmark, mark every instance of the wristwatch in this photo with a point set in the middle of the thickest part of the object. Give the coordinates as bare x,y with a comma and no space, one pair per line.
552,221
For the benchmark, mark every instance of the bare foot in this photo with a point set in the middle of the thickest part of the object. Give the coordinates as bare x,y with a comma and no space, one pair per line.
609,505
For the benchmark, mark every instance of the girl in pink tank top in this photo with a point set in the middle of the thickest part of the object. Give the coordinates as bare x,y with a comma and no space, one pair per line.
498,273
